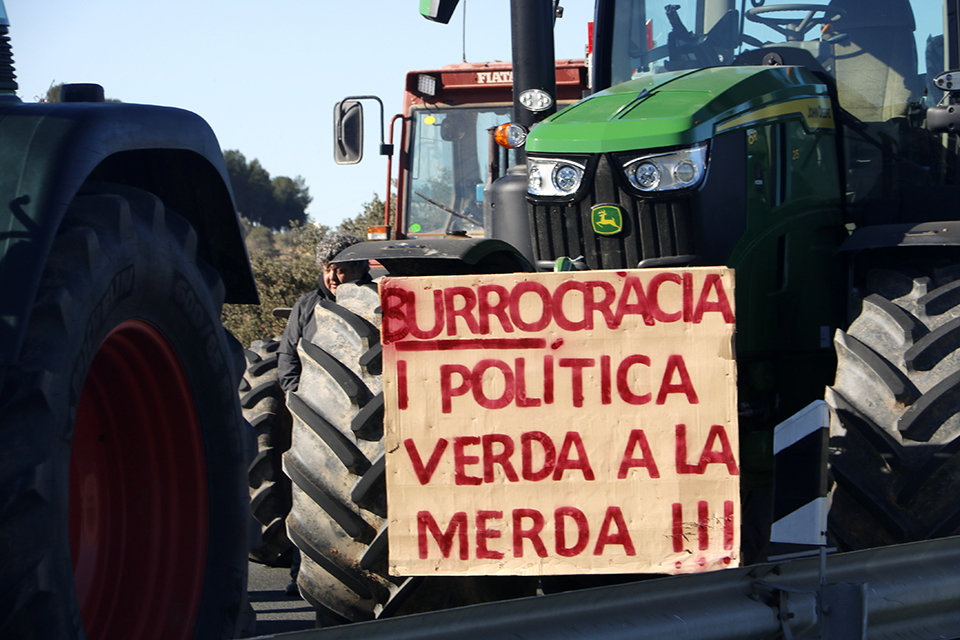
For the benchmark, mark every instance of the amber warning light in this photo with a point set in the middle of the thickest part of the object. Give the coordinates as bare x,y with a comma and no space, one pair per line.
510,135
378,233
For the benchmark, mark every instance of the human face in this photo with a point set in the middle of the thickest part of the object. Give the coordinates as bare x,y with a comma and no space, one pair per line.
336,273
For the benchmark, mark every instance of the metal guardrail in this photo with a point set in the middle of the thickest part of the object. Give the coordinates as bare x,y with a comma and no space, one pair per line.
901,591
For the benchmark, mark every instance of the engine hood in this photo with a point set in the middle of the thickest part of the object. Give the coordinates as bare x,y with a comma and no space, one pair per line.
682,108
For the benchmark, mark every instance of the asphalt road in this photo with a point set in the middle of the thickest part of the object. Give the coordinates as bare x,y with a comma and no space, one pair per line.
276,611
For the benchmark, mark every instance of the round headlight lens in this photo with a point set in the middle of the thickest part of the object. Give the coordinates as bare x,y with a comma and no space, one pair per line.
566,178
646,175
685,172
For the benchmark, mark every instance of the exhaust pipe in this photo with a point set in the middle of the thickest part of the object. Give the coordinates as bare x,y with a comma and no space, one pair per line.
8,82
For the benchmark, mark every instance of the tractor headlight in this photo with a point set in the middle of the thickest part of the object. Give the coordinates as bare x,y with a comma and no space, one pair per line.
667,171
549,177
646,175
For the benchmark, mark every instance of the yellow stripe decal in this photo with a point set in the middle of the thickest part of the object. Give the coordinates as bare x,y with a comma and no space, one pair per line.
817,113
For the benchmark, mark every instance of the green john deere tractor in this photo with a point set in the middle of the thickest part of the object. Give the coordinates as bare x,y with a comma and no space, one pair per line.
810,147
792,142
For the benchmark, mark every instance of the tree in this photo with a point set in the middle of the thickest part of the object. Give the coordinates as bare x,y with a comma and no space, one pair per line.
372,215
260,239
276,203
53,93
284,267
291,197
284,264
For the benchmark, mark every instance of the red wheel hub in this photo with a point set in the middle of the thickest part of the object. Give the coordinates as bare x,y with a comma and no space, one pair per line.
138,491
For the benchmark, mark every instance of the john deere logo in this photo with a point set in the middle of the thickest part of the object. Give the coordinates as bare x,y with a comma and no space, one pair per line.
607,219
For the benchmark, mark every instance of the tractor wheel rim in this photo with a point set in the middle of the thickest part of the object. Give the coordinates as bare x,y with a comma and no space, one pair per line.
138,491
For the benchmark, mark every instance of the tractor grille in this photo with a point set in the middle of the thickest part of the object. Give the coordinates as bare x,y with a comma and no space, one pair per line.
652,228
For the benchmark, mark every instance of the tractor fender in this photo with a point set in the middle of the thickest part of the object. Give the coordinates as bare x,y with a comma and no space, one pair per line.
447,255
885,236
50,150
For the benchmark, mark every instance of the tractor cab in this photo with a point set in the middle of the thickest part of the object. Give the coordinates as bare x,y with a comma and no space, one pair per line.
881,58
869,48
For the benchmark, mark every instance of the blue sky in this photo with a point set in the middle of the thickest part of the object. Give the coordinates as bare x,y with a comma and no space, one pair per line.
265,75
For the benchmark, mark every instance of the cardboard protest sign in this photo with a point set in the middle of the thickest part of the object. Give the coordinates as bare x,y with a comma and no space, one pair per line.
554,423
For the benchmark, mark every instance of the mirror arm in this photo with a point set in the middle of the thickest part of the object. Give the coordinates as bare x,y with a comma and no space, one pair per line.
385,149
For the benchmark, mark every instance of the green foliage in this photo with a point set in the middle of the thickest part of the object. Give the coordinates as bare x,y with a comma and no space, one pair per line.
260,239
53,93
277,203
285,268
372,215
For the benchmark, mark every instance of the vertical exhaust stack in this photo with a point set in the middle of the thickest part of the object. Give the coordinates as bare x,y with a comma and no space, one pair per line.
8,82
534,76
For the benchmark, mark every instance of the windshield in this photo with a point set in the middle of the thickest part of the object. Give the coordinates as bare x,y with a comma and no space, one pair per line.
448,167
883,53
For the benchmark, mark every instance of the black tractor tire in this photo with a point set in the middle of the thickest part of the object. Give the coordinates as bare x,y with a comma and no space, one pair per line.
895,442
124,506
264,407
336,463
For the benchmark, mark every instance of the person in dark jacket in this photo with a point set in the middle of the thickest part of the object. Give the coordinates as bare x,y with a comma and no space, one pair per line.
298,324
334,274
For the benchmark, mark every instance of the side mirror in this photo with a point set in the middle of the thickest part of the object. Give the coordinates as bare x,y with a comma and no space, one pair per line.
347,132
945,117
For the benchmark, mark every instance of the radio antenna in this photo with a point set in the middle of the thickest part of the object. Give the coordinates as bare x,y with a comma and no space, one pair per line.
464,41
